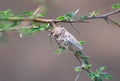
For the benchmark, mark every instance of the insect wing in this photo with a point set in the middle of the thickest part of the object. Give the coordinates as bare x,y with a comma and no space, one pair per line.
74,41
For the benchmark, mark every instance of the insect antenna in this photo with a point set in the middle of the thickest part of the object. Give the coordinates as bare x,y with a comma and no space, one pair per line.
74,28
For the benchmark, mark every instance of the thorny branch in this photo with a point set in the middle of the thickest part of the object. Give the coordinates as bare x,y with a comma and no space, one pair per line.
104,15
40,20
64,21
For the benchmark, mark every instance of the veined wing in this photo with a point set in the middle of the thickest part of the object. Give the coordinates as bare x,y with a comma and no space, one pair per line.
73,40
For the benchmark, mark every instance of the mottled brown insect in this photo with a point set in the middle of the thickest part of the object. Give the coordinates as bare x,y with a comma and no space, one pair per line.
66,40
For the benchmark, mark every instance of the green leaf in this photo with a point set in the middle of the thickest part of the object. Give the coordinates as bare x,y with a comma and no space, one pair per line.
106,76
98,75
61,18
28,13
80,53
35,24
101,69
5,25
82,42
83,17
95,76
44,27
25,31
35,30
60,50
69,15
86,60
77,69
13,24
5,14
41,15
116,6
88,66
29,31
97,79
92,75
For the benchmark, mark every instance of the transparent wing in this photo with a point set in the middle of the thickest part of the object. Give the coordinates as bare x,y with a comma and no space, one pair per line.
74,42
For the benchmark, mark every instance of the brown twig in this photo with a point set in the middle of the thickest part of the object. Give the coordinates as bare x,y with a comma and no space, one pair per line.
64,21
104,15
40,20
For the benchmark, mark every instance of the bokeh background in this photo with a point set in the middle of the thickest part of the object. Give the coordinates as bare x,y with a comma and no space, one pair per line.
32,58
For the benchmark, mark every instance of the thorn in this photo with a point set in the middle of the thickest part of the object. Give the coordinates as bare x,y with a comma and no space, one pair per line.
37,10
20,35
77,77
76,11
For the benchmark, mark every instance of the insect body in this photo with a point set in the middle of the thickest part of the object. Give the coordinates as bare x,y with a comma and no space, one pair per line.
66,40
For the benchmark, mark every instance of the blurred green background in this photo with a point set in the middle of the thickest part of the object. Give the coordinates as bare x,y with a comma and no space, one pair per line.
32,58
